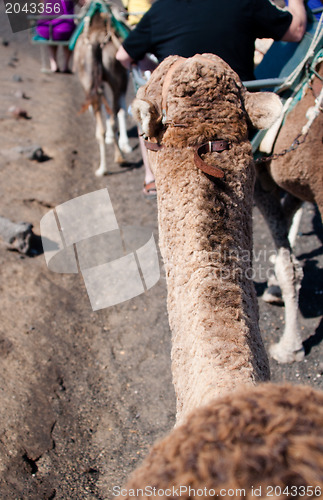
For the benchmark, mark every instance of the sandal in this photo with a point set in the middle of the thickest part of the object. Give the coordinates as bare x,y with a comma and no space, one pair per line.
149,190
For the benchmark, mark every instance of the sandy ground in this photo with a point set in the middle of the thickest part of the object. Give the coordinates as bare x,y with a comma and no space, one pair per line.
84,394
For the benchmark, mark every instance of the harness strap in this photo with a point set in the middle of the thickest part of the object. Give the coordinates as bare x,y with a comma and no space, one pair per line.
208,147
152,146
168,79
166,84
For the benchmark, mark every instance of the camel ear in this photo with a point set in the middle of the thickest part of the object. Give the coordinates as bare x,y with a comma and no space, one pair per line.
263,108
146,113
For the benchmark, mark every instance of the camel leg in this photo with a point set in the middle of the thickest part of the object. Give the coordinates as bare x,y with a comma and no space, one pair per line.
290,347
123,136
115,121
292,208
118,156
288,273
100,134
109,136
293,230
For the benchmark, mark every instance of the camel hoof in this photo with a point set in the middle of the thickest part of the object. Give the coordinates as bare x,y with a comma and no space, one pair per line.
109,139
273,295
119,159
100,172
282,356
125,147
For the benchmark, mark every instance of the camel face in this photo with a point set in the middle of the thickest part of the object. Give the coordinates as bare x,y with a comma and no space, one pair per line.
190,101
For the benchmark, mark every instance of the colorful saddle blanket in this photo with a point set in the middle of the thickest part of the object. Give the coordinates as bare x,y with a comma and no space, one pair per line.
294,64
119,26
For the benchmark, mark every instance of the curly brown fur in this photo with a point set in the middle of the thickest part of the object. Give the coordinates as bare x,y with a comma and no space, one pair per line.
301,171
264,437
205,227
257,438
195,99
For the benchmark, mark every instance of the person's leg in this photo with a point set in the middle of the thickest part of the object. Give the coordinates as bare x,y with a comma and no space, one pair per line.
53,58
149,183
67,57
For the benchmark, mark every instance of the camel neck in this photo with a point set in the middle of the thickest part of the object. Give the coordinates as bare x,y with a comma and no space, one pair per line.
206,241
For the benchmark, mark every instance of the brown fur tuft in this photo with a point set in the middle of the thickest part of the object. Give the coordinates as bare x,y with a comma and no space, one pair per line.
265,437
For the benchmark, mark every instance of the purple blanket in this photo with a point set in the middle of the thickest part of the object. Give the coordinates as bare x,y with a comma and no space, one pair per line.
57,29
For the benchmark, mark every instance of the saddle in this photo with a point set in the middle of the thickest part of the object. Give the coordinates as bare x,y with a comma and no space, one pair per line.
120,27
287,69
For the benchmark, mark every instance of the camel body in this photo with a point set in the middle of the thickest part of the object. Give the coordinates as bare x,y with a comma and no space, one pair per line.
300,174
96,65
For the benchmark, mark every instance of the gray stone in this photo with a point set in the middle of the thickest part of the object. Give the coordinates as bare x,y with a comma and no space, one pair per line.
32,152
16,236
17,78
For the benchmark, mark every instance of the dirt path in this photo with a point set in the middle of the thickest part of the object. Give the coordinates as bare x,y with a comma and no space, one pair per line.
84,394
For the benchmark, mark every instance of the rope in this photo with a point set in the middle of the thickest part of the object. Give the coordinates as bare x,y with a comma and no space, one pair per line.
313,113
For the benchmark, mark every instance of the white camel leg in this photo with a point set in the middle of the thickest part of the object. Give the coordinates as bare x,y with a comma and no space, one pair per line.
109,137
99,134
272,294
293,230
118,156
288,273
110,134
123,136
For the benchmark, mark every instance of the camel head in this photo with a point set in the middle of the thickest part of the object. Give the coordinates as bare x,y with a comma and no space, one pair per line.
190,101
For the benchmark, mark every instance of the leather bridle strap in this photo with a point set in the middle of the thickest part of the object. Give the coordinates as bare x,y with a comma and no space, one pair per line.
166,84
209,147
168,79
152,146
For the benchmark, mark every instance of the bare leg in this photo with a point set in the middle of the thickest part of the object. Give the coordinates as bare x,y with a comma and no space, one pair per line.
149,184
67,57
149,176
53,58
